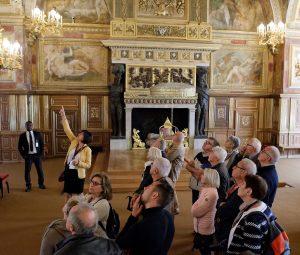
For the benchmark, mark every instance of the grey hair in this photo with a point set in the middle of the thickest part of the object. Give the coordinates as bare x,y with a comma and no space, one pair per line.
163,165
249,166
255,143
220,153
78,219
74,200
235,141
154,153
274,153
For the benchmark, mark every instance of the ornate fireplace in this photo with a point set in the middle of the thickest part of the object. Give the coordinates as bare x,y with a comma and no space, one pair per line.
159,75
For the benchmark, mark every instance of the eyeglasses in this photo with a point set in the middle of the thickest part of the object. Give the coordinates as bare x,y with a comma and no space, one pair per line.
249,145
266,153
95,183
240,167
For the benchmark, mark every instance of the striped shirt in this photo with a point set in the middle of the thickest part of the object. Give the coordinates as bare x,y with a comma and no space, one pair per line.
250,232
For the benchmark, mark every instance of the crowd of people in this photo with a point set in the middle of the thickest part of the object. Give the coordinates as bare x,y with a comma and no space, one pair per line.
230,189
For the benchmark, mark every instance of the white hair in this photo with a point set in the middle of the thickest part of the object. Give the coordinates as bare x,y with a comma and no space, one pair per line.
220,153
249,166
163,165
274,153
255,143
81,221
154,153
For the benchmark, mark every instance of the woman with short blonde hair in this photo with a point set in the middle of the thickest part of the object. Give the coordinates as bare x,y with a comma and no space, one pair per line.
204,210
210,178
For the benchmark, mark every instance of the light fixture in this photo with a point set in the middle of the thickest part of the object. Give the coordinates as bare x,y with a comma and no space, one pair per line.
271,35
10,54
37,25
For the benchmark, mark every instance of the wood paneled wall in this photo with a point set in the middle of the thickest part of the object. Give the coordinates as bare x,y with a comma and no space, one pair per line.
243,116
83,112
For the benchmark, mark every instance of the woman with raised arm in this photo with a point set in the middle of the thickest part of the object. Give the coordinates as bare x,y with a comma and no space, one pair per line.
78,159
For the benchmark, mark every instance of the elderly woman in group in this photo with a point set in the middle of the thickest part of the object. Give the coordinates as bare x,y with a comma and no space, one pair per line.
153,153
78,159
57,231
231,146
100,193
204,210
250,228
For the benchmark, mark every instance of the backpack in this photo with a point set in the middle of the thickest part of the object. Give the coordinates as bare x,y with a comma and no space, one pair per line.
112,224
277,242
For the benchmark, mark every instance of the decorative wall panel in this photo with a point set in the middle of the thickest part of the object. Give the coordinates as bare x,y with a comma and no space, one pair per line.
95,112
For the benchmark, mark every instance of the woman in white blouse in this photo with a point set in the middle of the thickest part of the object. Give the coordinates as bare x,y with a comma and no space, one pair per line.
100,192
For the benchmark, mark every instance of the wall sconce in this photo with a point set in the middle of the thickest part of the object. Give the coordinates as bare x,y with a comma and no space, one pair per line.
271,35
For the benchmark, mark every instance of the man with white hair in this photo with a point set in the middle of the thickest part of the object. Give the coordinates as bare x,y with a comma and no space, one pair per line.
216,159
268,157
176,156
82,223
230,206
251,151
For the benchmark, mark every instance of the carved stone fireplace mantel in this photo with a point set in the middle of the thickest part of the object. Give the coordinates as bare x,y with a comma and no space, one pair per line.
160,74
161,52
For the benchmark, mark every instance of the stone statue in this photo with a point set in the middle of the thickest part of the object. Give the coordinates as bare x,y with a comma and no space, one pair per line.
202,104
116,100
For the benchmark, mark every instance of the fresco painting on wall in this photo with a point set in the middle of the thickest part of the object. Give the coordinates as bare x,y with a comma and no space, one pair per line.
83,11
73,63
7,76
235,14
295,67
237,68
161,8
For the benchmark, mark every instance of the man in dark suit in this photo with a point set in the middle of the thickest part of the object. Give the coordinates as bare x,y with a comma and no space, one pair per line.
31,147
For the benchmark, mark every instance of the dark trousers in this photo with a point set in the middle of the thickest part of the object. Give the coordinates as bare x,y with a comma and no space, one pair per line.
205,242
195,195
37,160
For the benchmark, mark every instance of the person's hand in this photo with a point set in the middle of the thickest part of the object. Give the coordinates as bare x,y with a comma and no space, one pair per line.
191,163
75,162
137,207
243,149
133,199
62,112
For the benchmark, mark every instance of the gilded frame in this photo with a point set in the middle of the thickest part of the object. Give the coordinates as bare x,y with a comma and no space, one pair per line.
294,67
146,91
89,51
261,85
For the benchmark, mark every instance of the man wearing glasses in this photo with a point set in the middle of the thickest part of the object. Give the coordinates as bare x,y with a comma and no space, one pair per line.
268,157
251,151
230,207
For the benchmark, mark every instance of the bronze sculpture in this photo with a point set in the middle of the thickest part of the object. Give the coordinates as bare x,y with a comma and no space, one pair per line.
117,100
202,103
